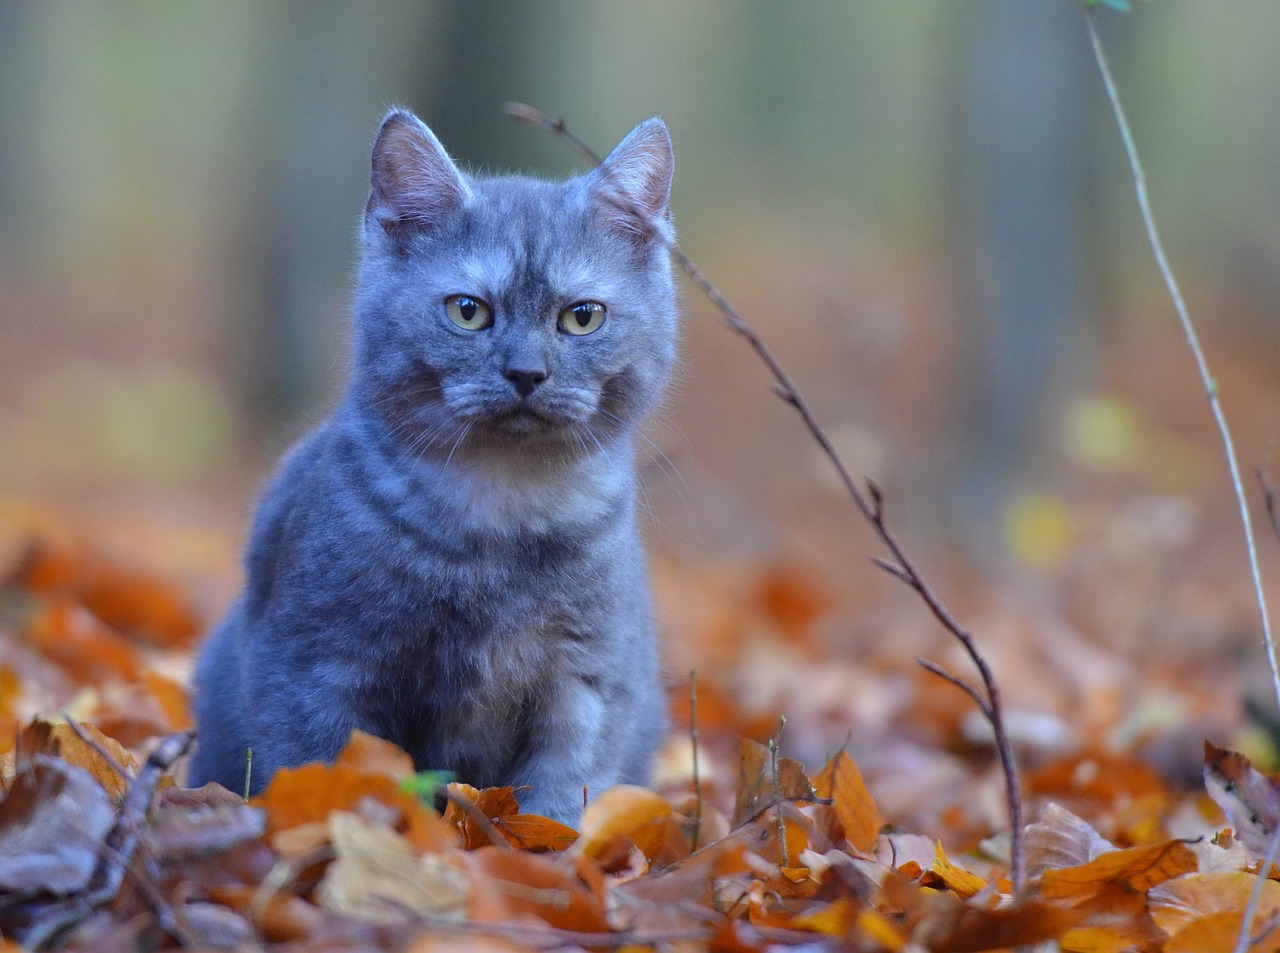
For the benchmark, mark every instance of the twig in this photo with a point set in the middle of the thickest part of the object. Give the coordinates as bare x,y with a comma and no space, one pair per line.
93,743
248,772
967,687
1244,941
477,817
117,848
1269,499
777,790
869,502
693,740
1193,342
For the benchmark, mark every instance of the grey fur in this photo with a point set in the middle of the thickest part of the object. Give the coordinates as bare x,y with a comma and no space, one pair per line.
451,560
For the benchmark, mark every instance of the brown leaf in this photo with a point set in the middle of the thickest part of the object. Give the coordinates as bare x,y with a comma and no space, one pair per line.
1247,797
200,822
53,820
310,792
756,788
60,740
534,833
859,816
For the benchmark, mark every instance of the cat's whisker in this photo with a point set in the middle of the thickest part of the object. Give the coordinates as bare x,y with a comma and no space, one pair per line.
462,435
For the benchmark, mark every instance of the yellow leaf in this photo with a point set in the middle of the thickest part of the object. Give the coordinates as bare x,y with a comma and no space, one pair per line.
957,879
1138,868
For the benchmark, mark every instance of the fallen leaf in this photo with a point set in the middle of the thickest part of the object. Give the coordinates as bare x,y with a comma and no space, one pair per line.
201,822
958,880
1059,839
53,820
512,886
378,876
1137,868
1247,797
73,638
841,781
127,599
1178,904
623,811
60,740
756,784
373,755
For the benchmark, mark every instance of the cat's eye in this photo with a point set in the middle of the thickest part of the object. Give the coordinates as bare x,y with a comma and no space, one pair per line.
582,318
468,313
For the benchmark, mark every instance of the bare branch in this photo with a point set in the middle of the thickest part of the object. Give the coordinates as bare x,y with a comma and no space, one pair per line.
1193,342
966,687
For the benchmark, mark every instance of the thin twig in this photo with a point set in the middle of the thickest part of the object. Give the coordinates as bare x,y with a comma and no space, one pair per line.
1244,941
967,687
693,740
1193,342
93,743
117,848
477,817
869,503
774,744
1269,499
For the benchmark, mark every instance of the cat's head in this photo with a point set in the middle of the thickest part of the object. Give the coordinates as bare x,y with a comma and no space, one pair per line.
499,314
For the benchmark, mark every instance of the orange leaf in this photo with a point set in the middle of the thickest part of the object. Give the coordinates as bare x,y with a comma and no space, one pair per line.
1138,868
125,598
623,811
373,755
841,781
72,638
60,740
171,697
1220,931
310,792
1179,903
510,885
535,833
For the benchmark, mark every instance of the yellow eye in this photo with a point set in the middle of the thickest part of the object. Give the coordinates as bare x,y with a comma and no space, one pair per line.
468,313
582,318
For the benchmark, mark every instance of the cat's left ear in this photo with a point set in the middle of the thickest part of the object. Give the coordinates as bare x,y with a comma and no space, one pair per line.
633,184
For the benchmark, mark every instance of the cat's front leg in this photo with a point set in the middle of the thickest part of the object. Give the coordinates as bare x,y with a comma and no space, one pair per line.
571,754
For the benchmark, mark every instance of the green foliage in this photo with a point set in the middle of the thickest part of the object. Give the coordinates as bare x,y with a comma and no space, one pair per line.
425,784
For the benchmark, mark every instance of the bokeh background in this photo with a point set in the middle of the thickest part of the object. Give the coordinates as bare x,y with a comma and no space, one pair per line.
922,205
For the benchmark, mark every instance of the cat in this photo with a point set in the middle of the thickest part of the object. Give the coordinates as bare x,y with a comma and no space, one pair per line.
451,560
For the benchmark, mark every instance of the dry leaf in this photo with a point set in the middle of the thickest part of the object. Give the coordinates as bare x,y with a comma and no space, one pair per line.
1059,839
53,820
378,876
841,781
200,823
373,755
623,811
1137,868
60,740
756,787
1247,797
1178,904
960,881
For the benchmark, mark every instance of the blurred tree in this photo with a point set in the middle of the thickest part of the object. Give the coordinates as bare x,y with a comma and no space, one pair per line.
1021,174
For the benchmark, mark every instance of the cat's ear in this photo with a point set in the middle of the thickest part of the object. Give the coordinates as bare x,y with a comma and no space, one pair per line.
414,182
633,183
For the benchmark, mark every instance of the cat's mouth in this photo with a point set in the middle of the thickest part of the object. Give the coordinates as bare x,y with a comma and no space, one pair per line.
523,419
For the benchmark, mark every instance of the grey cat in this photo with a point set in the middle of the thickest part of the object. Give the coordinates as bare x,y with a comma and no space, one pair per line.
451,560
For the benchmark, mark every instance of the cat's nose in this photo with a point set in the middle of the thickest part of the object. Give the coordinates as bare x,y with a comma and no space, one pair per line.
525,380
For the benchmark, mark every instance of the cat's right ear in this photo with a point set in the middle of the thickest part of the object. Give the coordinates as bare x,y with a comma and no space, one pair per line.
414,182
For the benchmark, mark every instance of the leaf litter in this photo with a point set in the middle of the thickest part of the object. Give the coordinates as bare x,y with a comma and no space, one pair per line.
101,847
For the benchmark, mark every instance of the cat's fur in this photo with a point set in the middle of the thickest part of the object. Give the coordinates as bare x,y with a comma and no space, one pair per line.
451,560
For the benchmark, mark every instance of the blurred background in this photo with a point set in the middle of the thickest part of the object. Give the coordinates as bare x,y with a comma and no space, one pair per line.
921,205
